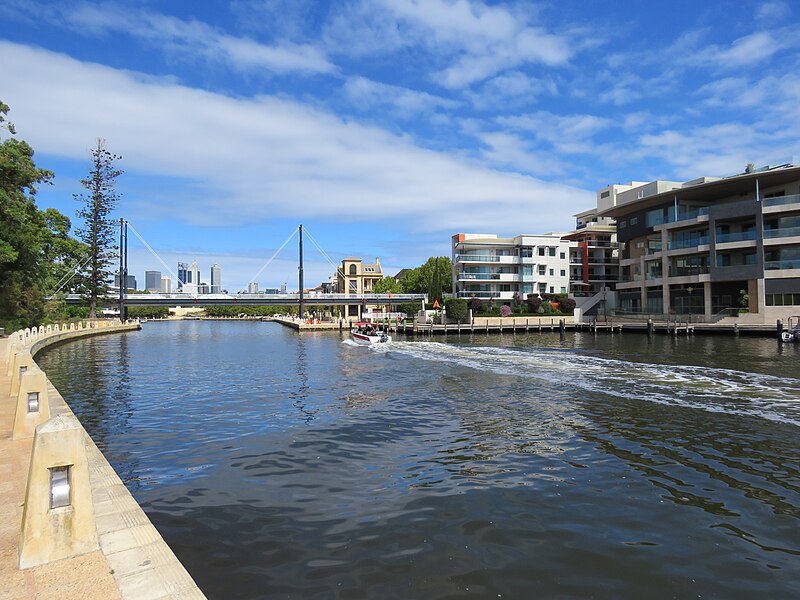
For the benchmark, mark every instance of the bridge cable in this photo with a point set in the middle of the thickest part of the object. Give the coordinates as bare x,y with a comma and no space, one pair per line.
325,254
68,276
154,253
255,277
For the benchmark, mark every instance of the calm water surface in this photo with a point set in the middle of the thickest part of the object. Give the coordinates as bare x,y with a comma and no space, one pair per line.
527,466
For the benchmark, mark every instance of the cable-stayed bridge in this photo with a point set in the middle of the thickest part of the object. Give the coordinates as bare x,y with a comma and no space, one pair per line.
188,299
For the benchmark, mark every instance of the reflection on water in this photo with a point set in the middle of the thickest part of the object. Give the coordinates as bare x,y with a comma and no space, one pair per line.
503,466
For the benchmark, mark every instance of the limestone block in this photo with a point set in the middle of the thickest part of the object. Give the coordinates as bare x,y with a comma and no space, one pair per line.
13,347
58,517
22,362
33,405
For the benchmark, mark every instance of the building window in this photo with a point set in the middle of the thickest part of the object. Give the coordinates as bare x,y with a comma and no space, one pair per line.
563,290
353,270
622,224
552,272
552,290
541,251
563,273
634,220
605,194
552,251
542,270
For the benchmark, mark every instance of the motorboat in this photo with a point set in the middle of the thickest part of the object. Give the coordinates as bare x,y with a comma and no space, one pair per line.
792,332
367,334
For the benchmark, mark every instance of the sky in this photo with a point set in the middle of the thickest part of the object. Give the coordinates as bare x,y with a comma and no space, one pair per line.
386,126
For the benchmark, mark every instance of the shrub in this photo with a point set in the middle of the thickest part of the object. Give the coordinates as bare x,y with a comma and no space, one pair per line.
505,311
456,309
474,304
534,303
567,305
147,312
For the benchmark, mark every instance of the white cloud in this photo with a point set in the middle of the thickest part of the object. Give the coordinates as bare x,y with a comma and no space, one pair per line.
188,40
773,11
265,157
568,134
366,94
469,40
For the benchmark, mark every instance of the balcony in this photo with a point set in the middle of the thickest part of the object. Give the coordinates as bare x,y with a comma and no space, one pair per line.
481,294
484,258
776,265
781,200
687,271
742,236
686,215
688,243
781,232
488,276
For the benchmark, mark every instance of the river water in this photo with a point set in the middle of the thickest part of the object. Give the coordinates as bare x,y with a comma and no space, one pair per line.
529,466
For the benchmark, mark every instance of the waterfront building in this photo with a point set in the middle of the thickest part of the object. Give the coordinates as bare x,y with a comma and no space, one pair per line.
252,287
357,277
203,288
166,284
152,281
488,267
711,246
183,274
216,279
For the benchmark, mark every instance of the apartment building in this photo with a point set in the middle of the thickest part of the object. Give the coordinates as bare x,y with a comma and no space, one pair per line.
710,245
593,254
486,266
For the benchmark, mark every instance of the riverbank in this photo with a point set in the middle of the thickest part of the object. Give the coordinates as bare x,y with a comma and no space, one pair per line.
133,561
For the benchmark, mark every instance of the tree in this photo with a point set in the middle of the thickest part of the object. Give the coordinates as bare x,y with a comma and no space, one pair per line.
456,309
430,278
24,264
388,285
98,230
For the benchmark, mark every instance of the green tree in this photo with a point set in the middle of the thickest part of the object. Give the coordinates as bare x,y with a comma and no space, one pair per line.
98,229
388,285
431,278
456,309
24,264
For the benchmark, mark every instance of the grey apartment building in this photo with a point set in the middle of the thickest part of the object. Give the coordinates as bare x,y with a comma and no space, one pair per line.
710,245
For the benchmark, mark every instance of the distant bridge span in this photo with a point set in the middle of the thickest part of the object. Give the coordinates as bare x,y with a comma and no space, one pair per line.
308,299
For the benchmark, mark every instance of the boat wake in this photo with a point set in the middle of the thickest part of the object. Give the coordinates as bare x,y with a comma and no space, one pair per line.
714,390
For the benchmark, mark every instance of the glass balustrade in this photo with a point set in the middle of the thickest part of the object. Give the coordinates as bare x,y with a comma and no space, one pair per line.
741,236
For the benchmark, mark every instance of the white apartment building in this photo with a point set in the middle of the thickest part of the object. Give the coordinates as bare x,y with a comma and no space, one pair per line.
489,267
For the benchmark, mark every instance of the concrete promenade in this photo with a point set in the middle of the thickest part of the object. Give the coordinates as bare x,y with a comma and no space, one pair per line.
133,561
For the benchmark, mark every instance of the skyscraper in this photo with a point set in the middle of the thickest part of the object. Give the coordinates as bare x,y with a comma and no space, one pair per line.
182,275
166,284
216,279
194,274
152,281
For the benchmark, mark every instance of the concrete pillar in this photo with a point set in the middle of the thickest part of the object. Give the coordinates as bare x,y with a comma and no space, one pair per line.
33,405
707,306
22,362
58,517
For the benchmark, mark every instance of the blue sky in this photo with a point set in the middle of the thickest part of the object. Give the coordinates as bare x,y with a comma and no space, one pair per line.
385,126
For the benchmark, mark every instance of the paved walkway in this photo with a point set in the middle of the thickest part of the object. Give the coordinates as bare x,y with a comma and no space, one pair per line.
133,563
86,577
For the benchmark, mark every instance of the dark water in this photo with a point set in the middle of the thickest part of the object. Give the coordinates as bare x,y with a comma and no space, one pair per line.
280,466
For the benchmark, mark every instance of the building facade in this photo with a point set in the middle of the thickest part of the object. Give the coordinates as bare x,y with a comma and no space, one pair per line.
216,279
711,246
152,281
183,274
356,277
166,284
492,268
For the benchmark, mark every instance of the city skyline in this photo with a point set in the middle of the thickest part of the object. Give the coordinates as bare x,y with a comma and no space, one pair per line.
385,127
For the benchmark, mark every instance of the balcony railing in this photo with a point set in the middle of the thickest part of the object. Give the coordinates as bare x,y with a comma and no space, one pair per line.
489,276
782,232
685,215
781,200
775,265
741,236
477,258
688,243
685,271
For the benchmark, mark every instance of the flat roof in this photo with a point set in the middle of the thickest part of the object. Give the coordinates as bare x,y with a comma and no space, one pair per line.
739,184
